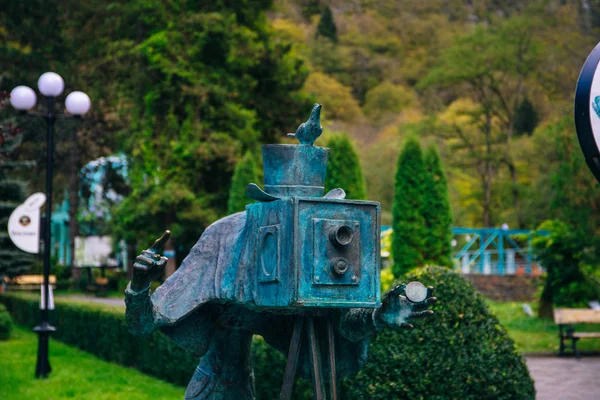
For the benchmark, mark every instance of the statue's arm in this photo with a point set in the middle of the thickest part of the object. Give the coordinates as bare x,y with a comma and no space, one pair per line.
139,313
357,323
395,311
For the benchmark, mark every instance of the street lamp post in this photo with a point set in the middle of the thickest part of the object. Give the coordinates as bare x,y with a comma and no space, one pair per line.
77,103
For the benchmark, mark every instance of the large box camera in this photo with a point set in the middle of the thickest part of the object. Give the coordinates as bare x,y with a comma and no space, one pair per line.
316,252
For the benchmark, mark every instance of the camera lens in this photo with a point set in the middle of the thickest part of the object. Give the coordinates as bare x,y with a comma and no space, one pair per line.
342,235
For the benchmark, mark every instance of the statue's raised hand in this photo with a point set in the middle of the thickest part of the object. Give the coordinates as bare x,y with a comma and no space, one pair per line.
405,302
150,264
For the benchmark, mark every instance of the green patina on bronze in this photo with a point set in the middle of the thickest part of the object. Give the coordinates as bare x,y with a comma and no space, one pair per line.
295,263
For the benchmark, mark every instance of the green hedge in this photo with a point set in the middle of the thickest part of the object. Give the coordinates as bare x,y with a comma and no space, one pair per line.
6,323
101,330
462,352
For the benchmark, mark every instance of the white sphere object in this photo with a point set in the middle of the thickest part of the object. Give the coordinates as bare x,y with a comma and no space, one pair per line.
78,103
51,84
23,98
416,292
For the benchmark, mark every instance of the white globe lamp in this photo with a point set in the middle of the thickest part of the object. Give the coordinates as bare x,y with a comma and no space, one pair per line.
78,103
51,84
23,98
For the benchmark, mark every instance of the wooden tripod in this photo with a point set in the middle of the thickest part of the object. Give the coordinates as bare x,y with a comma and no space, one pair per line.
307,324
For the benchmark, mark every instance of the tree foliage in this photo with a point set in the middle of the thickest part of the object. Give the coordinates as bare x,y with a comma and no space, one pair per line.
563,251
564,188
408,242
245,173
326,27
387,99
344,170
215,83
437,213
336,98
492,64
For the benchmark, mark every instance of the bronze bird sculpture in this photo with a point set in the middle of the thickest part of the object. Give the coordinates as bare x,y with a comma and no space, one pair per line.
310,130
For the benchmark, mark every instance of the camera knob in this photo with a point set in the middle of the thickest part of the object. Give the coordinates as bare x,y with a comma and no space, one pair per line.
339,265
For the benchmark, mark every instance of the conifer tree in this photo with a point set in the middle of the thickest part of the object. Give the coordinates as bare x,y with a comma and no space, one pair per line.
526,118
344,170
408,222
327,26
436,212
245,173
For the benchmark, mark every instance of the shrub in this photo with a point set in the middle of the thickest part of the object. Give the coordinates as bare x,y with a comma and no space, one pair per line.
462,352
6,323
563,251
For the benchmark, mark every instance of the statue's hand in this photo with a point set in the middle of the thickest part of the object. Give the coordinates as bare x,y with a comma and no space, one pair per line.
149,265
405,302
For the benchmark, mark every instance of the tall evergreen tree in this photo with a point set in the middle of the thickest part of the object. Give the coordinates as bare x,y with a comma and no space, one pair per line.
408,242
436,212
344,170
526,118
327,26
245,173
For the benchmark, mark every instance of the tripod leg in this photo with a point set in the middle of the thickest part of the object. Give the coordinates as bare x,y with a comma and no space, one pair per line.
331,345
292,360
315,359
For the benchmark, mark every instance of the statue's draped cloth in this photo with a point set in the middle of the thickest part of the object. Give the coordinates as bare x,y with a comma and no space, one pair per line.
218,269
221,269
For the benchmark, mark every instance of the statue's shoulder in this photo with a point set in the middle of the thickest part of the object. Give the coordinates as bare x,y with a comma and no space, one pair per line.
227,225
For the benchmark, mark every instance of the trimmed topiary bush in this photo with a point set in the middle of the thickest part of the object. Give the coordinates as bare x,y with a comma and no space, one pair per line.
6,324
462,352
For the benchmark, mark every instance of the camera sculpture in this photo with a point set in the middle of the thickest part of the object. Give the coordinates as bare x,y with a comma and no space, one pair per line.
298,268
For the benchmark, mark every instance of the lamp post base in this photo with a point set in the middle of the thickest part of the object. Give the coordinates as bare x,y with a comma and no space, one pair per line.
42,368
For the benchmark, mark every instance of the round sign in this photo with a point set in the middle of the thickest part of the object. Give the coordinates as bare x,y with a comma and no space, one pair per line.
416,292
587,111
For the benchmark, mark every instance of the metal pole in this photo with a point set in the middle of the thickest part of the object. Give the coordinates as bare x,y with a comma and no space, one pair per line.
44,329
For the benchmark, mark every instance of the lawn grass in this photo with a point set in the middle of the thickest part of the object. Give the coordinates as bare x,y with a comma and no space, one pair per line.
537,335
76,375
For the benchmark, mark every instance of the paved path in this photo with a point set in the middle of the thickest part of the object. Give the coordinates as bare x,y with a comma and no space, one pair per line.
565,378
111,301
